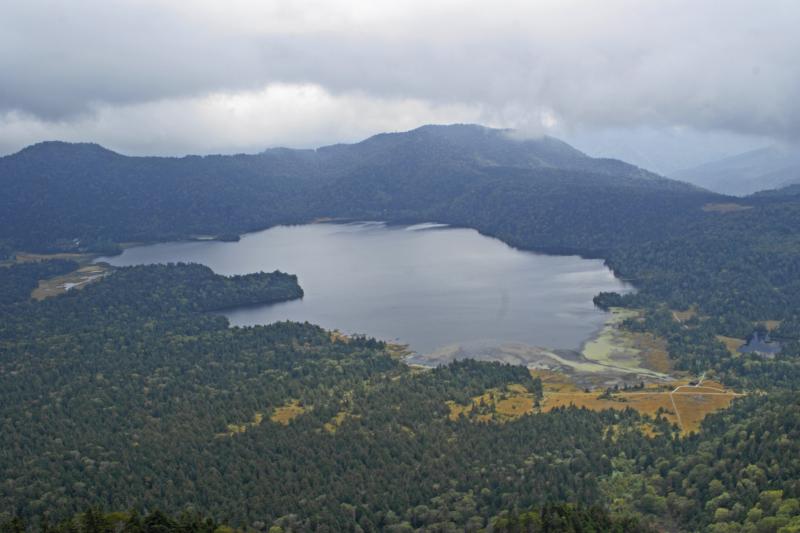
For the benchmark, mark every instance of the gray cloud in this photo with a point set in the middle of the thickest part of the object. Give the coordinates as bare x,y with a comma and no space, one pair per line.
556,66
60,58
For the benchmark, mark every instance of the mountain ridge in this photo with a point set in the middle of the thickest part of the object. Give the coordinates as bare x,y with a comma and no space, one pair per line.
770,167
545,151
59,192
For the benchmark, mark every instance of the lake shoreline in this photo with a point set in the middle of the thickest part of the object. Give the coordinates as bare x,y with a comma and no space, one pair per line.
427,284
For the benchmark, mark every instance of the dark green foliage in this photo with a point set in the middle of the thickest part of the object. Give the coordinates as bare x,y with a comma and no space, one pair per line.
607,300
79,196
752,448
121,395
94,520
694,347
550,518
18,280
566,518
737,265
6,251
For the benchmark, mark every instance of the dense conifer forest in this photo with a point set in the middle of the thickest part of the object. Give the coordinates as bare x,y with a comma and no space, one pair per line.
18,281
550,518
129,394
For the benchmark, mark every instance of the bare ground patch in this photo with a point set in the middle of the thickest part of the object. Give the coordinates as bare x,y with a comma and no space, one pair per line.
287,412
76,279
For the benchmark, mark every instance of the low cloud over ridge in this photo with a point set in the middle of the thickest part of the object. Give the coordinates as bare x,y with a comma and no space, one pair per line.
309,73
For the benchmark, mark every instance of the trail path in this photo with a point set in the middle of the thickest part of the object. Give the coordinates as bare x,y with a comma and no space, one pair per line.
696,389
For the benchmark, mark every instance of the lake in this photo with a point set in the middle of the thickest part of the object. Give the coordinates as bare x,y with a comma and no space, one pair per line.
428,285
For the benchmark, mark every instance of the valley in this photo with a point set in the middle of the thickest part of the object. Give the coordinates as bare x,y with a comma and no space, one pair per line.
519,369
399,267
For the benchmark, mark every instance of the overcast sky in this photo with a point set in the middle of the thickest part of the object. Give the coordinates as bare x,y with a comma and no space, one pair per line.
211,76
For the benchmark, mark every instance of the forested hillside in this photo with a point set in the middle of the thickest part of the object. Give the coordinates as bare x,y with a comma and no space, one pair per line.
57,193
18,281
129,394
550,518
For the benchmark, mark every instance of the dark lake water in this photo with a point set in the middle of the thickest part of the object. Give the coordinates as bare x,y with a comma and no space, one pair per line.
426,285
762,345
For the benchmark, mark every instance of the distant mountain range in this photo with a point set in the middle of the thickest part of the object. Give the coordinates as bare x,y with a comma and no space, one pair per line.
64,195
772,167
